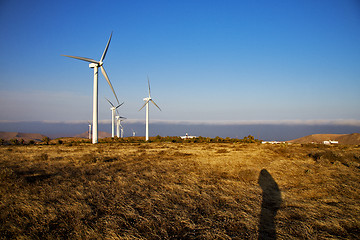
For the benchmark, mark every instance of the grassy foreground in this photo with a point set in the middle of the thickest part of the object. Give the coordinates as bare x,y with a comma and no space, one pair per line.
179,191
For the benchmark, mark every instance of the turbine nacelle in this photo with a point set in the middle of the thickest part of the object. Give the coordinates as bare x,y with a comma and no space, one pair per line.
113,106
93,65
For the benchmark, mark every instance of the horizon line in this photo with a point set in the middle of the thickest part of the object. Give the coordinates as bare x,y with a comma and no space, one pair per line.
346,122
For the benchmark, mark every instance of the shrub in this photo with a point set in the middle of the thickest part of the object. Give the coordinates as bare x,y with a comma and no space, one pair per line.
46,140
249,139
14,141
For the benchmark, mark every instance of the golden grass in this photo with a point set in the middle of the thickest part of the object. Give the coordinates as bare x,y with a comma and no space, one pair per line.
179,191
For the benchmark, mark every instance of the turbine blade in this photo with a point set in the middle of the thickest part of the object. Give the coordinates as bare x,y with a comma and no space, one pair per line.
120,117
110,102
106,48
155,104
149,85
108,81
119,105
82,58
144,105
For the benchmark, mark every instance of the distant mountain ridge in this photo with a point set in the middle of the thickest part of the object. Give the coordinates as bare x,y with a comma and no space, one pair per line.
18,135
39,137
352,139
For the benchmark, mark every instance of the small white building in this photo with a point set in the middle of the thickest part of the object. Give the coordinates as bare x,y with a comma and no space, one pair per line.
271,142
187,136
330,142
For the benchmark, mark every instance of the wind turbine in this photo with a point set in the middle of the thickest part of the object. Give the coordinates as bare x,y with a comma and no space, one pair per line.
89,130
96,65
113,108
133,133
118,125
121,128
147,100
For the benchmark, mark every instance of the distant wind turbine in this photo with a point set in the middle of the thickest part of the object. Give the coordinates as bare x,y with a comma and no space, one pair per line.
113,108
118,125
89,130
97,64
147,100
133,133
121,128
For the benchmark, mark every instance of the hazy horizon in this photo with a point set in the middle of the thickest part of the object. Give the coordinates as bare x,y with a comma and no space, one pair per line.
263,131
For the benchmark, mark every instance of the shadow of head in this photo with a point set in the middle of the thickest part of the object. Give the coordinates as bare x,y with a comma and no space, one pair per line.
271,191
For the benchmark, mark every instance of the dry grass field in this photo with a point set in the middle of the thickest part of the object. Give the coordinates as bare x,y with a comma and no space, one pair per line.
179,191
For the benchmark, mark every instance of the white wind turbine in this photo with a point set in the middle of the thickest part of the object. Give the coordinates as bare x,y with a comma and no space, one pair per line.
97,64
133,133
147,100
121,128
118,126
89,130
113,108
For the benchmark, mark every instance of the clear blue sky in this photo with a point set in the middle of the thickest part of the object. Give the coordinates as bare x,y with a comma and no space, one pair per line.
207,60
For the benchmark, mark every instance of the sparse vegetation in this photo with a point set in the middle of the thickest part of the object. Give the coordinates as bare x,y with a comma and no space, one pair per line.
14,141
248,139
214,189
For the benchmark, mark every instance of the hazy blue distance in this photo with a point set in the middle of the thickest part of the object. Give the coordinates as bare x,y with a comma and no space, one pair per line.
280,132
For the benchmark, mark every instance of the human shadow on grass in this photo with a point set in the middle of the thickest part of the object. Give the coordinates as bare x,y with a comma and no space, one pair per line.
271,201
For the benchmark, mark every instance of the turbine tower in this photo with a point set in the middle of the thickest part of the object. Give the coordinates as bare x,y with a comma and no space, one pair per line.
117,126
147,100
96,65
113,108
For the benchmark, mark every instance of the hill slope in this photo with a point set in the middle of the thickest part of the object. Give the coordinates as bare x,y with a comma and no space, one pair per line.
353,138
